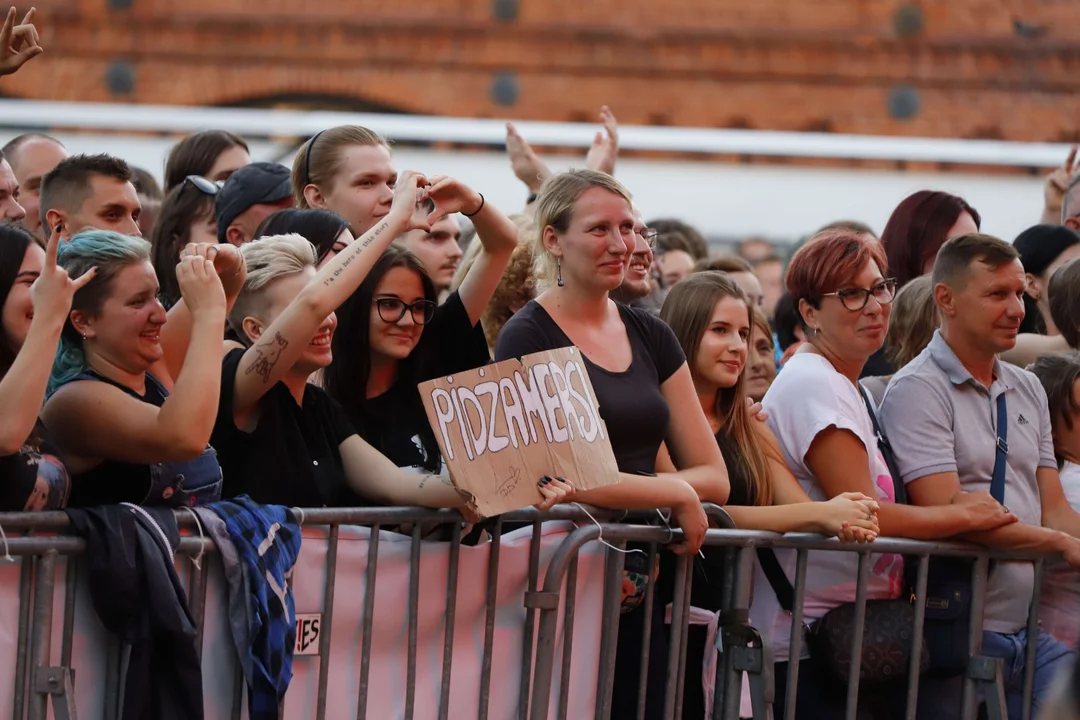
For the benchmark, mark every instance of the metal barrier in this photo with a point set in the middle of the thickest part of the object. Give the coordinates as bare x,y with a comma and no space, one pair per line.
563,662
747,651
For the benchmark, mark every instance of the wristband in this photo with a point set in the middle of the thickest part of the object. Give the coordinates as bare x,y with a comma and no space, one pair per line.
475,212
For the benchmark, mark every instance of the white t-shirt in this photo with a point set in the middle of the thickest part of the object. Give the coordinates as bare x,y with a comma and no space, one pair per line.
807,397
1059,605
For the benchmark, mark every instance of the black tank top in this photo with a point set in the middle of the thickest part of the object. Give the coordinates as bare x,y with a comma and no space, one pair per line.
114,482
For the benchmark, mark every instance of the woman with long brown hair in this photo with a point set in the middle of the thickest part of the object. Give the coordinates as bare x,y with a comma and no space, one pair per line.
711,318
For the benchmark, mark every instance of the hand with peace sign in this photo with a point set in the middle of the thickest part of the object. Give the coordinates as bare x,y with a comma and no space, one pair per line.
18,43
1055,186
53,290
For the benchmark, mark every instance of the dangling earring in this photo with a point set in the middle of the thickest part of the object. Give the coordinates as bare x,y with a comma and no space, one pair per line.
558,266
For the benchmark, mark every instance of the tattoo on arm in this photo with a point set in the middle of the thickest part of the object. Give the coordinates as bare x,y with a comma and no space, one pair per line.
268,353
354,251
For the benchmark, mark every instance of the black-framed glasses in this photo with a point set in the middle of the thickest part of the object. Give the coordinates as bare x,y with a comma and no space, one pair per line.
649,235
855,299
391,310
207,187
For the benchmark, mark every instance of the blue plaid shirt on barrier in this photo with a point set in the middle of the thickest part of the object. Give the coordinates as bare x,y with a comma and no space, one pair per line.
267,539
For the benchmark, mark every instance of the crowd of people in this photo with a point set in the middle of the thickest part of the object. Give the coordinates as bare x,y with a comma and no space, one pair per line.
268,337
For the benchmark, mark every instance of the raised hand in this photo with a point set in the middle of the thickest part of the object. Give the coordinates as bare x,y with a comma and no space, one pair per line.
53,290
451,196
410,191
526,164
757,410
225,258
201,288
605,148
1057,183
18,43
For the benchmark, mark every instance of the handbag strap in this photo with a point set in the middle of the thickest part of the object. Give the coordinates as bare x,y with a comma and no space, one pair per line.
997,482
778,579
899,489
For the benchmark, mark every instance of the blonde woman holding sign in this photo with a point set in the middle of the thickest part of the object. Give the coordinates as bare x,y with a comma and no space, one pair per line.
638,371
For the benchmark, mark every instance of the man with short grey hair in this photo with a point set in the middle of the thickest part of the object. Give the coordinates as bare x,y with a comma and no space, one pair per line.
941,415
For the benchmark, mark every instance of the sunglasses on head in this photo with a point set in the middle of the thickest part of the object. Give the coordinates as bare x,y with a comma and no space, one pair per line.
207,187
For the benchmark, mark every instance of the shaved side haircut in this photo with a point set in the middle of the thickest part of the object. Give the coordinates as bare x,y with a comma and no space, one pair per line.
67,186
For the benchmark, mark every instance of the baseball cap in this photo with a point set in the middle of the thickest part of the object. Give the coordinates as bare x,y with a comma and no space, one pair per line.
253,184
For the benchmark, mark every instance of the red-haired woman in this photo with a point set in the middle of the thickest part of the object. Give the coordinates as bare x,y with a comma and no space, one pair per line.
820,419
916,230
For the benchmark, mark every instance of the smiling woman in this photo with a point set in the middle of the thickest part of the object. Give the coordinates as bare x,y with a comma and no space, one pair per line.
124,429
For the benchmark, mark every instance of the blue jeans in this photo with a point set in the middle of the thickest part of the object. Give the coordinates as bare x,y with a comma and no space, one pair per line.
940,699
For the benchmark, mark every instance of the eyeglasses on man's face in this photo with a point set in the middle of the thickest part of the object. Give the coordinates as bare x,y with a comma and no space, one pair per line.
649,235
855,299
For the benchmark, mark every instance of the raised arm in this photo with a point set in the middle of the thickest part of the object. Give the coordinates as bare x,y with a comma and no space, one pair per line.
228,263
498,237
18,43
22,389
281,344
691,443
93,420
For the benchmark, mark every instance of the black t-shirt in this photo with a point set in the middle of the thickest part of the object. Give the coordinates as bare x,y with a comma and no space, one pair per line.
877,365
114,482
738,472
395,422
631,404
293,456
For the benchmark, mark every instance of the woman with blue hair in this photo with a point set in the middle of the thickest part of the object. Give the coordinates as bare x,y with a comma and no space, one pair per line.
131,423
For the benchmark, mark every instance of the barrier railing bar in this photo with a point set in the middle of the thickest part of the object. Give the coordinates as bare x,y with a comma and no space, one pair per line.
326,627
196,599
451,619
740,600
71,577
490,598
530,625
796,642
569,603
545,643
917,640
684,634
856,641
720,688
646,638
366,622
26,583
114,651
238,690
1032,643
609,629
43,606
682,569
979,572
414,611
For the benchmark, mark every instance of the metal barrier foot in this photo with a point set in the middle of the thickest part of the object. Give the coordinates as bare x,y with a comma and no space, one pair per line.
989,674
751,660
59,682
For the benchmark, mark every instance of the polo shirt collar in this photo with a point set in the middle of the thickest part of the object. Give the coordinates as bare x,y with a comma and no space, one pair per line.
946,359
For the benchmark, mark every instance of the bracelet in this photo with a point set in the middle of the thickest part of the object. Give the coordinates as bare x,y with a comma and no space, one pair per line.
531,199
477,209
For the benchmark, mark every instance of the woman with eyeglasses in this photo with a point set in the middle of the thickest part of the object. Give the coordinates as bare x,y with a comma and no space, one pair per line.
393,334
186,216
820,417
281,439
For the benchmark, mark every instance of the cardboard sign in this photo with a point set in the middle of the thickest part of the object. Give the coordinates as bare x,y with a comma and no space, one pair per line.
308,628
502,427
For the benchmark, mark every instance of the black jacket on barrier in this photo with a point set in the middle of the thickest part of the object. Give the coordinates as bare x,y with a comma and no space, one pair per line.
138,596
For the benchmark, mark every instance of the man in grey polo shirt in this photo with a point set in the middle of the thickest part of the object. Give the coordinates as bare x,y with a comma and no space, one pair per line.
939,413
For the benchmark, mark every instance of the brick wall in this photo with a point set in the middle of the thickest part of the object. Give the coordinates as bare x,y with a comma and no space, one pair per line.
953,68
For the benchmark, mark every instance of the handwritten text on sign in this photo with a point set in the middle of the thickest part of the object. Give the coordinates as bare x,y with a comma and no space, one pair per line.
501,426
